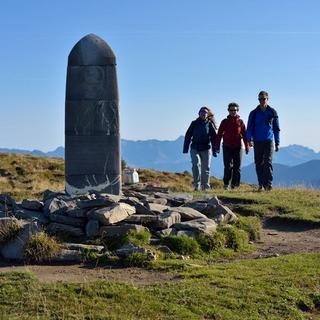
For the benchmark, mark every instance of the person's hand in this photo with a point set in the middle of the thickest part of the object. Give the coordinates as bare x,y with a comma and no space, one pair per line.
217,150
276,149
247,150
214,154
251,144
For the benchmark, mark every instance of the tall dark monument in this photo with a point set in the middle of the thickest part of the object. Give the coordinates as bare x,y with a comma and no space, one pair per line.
92,139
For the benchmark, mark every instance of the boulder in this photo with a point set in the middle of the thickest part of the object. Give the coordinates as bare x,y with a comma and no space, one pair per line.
76,213
66,255
80,246
130,200
142,209
92,228
228,215
121,230
166,219
166,232
174,199
113,214
214,202
128,249
143,219
14,250
186,233
64,230
156,208
48,195
31,215
34,205
161,201
188,213
199,205
56,205
179,233
95,203
75,222
201,225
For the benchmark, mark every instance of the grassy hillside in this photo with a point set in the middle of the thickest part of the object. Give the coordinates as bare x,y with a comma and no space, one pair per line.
25,176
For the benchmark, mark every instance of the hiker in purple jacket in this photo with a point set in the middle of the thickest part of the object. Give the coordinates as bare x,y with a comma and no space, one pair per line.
262,129
200,134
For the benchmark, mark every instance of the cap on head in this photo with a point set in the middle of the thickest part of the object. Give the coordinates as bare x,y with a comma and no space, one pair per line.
233,105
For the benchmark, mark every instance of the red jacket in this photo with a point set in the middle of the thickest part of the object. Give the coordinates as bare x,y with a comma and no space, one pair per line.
232,130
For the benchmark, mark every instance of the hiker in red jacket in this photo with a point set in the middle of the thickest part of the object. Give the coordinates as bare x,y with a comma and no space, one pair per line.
232,130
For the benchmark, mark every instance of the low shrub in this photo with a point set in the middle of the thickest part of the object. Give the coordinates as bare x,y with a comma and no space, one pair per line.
212,242
138,238
316,300
41,247
9,230
182,244
236,239
113,243
252,225
137,259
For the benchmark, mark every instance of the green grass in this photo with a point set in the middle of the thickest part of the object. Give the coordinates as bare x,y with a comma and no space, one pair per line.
276,288
289,205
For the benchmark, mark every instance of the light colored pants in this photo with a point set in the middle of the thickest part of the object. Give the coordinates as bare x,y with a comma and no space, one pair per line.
201,168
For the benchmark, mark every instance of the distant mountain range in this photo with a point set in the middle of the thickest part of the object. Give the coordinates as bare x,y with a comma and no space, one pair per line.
293,164
306,174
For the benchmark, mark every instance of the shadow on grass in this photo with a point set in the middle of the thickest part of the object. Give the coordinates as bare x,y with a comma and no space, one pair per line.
289,224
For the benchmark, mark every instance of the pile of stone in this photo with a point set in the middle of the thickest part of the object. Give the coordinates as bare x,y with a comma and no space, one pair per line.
104,215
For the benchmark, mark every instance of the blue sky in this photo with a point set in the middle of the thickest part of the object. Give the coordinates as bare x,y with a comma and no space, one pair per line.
173,57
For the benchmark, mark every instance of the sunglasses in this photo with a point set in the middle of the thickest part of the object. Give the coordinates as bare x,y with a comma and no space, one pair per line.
263,99
233,110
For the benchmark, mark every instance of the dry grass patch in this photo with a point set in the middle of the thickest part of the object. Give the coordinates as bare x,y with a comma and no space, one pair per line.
42,247
26,176
9,230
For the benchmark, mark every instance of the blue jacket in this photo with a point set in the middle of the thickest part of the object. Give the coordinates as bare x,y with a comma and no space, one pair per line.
201,133
263,125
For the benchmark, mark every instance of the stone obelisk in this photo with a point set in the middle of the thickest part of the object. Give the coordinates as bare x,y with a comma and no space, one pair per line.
92,139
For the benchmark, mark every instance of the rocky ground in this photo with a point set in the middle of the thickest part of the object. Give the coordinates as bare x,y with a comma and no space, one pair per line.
276,240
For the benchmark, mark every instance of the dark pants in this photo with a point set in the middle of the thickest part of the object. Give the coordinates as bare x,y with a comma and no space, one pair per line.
232,163
263,151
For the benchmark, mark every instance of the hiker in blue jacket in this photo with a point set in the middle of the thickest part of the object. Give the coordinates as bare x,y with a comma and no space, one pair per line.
200,134
262,129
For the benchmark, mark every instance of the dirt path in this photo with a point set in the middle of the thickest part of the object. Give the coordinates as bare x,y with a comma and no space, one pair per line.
276,240
81,273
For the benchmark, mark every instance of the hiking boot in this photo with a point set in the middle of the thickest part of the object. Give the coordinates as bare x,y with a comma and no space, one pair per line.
260,189
234,187
226,187
268,188
205,188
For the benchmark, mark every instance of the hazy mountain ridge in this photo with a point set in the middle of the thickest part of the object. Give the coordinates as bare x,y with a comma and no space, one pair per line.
291,163
304,174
